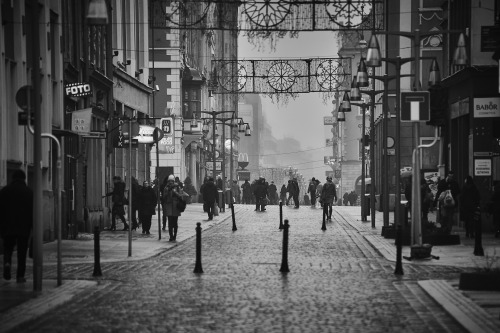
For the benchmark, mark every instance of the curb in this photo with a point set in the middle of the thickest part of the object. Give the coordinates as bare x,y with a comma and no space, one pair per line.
470,315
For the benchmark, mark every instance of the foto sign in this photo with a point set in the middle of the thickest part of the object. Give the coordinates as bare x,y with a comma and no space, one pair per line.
415,106
78,89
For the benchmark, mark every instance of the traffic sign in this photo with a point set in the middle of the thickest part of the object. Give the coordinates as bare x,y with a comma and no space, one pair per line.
157,134
415,106
124,143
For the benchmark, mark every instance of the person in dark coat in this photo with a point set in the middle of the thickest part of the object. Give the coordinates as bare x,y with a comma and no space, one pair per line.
16,223
210,197
147,205
328,197
136,188
312,190
426,199
236,192
189,189
469,203
272,193
283,194
260,193
294,191
247,192
162,189
346,199
171,196
119,200
494,208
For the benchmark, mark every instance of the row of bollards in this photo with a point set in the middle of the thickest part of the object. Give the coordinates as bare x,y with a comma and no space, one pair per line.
284,260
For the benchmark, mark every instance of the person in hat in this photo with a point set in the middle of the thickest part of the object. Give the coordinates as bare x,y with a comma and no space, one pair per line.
16,205
119,201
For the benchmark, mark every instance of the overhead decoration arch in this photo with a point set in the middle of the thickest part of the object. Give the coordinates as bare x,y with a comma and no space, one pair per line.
265,16
289,76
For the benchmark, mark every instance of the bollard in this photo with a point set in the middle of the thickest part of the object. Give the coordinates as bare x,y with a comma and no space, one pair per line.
284,259
234,219
281,215
325,209
97,253
197,266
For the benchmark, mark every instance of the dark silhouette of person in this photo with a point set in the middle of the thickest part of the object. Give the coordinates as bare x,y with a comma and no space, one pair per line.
147,206
494,207
446,213
118,199
171,196
346,199
210,197
272,193
136,188
469,202
260,193
283,194
189,189
16,205
328,197
312,190
247,192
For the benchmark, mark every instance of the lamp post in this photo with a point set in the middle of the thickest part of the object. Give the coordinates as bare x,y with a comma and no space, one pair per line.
374,59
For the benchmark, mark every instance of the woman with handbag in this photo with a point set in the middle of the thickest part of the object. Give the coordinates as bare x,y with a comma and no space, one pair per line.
172,194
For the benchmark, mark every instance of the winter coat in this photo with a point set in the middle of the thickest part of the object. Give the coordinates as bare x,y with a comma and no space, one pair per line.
210,193
147,201
312,188
118,194
329,193
247,189
16,205
260,190
136,189
170,198
272,190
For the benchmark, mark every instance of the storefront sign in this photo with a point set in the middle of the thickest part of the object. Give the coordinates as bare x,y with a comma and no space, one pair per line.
78,89
145,134
487,107
482,167
209,165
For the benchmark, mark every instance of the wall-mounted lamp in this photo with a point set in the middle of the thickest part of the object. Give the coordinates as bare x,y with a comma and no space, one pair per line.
247,130
139,72
194,122
116,53
157,87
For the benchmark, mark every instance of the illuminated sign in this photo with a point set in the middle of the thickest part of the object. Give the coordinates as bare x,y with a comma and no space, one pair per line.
78,89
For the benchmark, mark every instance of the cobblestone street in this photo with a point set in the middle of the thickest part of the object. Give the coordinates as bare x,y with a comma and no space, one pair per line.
337,283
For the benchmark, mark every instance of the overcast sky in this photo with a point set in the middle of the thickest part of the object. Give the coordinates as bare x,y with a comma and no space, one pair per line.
301,118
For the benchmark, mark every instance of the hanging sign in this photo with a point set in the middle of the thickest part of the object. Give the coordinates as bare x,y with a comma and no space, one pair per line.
167,144
78,89
80,121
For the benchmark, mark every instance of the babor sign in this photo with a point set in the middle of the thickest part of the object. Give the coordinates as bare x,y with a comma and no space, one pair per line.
78,89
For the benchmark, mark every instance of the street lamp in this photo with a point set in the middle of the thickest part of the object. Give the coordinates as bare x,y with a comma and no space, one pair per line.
374,59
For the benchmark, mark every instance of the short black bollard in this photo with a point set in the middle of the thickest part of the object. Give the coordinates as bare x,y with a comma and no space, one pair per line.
281,215
399,249
197,266
325,209
234,218
97,253
284,260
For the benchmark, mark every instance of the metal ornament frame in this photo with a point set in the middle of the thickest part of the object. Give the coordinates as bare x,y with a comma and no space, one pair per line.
263,15
291,76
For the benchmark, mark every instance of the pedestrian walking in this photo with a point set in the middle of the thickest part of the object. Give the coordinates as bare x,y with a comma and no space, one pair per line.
283,194
247,192
328,197
447,197
469,203
235,188
210,197
189,189
136,188
16,205
171,196
147,206
312,191
294,191
119,201
319,190
346,199
273,194
163,185
426,199
260,193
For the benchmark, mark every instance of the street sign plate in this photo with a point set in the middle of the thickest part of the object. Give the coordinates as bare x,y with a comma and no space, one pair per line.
415,106
95,135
